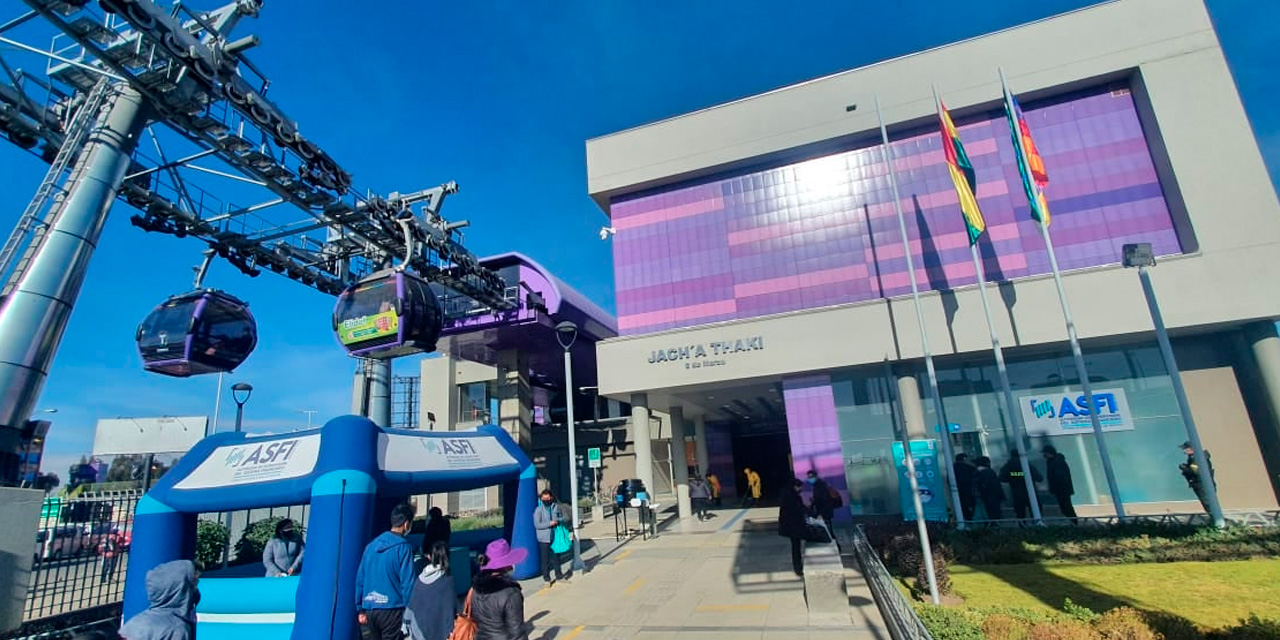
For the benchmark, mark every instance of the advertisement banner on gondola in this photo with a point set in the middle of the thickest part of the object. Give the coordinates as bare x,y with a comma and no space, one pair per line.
369,327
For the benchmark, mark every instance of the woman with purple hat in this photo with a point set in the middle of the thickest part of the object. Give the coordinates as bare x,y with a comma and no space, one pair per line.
497,604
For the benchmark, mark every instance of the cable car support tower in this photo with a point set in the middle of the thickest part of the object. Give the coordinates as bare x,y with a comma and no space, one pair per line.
120,74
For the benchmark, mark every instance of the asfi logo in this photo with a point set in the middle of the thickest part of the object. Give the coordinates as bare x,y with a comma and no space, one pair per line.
1042,408
263,454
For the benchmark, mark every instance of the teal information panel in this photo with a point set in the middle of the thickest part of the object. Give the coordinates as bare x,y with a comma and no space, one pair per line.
933,492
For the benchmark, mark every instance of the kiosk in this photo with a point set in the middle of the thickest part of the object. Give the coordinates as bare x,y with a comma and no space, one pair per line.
352,473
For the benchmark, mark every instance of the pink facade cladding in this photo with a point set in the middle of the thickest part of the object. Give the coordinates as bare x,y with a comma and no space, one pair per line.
815,431
824,231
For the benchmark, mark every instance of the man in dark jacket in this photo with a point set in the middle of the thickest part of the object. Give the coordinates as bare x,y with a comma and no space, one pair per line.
965,475
1055,467
171,589
823,506
438,530
1012,475
987,484
1191,473
791,523
384,582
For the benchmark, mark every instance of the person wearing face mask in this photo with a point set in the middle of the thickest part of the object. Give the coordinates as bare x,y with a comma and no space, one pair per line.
283,553
546,517
823,506
172,592
384,582
496,603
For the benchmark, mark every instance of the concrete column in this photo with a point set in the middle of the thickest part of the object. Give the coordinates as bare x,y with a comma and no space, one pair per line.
438,392
1264,347
516,408
912,406
641,437
700,443
680,463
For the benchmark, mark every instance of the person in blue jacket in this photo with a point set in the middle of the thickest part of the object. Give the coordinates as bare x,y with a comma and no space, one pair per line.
385,580
171,588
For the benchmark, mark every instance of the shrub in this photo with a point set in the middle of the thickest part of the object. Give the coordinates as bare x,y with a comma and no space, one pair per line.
1078,612
250,546
1000,626
940,573
1172,627
1062,630
1124,623
211,540
1251,628
945,623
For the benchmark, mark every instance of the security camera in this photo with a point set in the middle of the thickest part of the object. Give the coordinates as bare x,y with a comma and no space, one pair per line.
605,232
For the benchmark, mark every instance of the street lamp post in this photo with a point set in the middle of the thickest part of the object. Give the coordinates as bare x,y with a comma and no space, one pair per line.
566,334
240,392
1141,256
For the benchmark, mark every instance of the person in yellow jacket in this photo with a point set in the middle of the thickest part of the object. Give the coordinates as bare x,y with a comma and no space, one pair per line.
714,481
753,488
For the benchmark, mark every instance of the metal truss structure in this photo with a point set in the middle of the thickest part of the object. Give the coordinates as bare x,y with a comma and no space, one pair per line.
121,73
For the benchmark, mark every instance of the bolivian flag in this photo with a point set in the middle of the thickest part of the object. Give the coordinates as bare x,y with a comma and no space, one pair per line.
962,175
1030,164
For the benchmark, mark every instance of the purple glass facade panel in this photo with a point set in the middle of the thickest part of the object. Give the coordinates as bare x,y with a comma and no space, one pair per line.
815,432
720,458
825,231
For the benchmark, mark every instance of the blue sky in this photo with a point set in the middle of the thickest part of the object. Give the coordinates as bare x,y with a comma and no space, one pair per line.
500,97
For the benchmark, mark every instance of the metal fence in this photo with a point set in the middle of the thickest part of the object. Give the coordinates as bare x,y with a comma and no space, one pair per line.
80,553
899,616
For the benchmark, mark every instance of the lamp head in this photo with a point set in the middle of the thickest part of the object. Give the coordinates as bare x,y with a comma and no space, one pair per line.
566,333
1139,255
241,391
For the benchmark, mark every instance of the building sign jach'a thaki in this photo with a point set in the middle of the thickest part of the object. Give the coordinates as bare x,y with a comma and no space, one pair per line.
707,354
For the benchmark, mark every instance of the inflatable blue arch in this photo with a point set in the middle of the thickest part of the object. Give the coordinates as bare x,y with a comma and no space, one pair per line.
352,473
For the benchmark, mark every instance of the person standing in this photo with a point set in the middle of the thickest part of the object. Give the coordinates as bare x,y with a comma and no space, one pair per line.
753,488
823,506
283,553
110,549
1191,472
965,475
384,582
792,524
987,483
714,481
433,604
438,530
496,601
1012,475
546,517
1060,485
171,590
700,494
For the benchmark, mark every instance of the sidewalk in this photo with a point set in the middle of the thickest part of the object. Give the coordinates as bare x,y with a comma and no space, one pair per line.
728,578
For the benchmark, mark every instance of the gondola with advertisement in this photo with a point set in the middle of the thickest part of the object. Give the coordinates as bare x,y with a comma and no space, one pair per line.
388,315
198,332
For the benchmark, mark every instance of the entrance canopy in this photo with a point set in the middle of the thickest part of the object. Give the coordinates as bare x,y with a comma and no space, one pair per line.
352,473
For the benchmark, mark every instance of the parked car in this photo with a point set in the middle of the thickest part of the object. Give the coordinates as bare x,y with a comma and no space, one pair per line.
59,542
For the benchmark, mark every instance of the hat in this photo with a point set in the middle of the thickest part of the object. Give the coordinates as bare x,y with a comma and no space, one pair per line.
1186,445
500,555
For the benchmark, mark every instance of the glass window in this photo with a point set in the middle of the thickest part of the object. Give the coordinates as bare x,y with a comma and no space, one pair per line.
866,417
473,501
473,401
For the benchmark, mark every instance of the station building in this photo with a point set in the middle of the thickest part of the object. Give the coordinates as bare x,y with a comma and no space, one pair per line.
763,301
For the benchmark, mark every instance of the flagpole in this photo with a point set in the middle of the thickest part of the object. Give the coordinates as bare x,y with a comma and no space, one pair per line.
909,461
1085,386
1002,371
944,430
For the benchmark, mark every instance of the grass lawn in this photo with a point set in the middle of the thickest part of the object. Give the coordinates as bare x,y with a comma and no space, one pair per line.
1211,594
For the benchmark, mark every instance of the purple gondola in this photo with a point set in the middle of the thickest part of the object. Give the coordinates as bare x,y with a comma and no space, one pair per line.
388,315
205,331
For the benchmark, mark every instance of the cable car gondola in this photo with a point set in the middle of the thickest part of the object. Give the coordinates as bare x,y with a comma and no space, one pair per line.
204,331
388,315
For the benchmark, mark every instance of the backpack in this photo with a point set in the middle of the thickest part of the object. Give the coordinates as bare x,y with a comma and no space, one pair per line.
836,499
464,626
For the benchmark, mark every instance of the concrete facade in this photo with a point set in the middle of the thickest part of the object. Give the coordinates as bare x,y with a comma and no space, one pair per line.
1212,182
